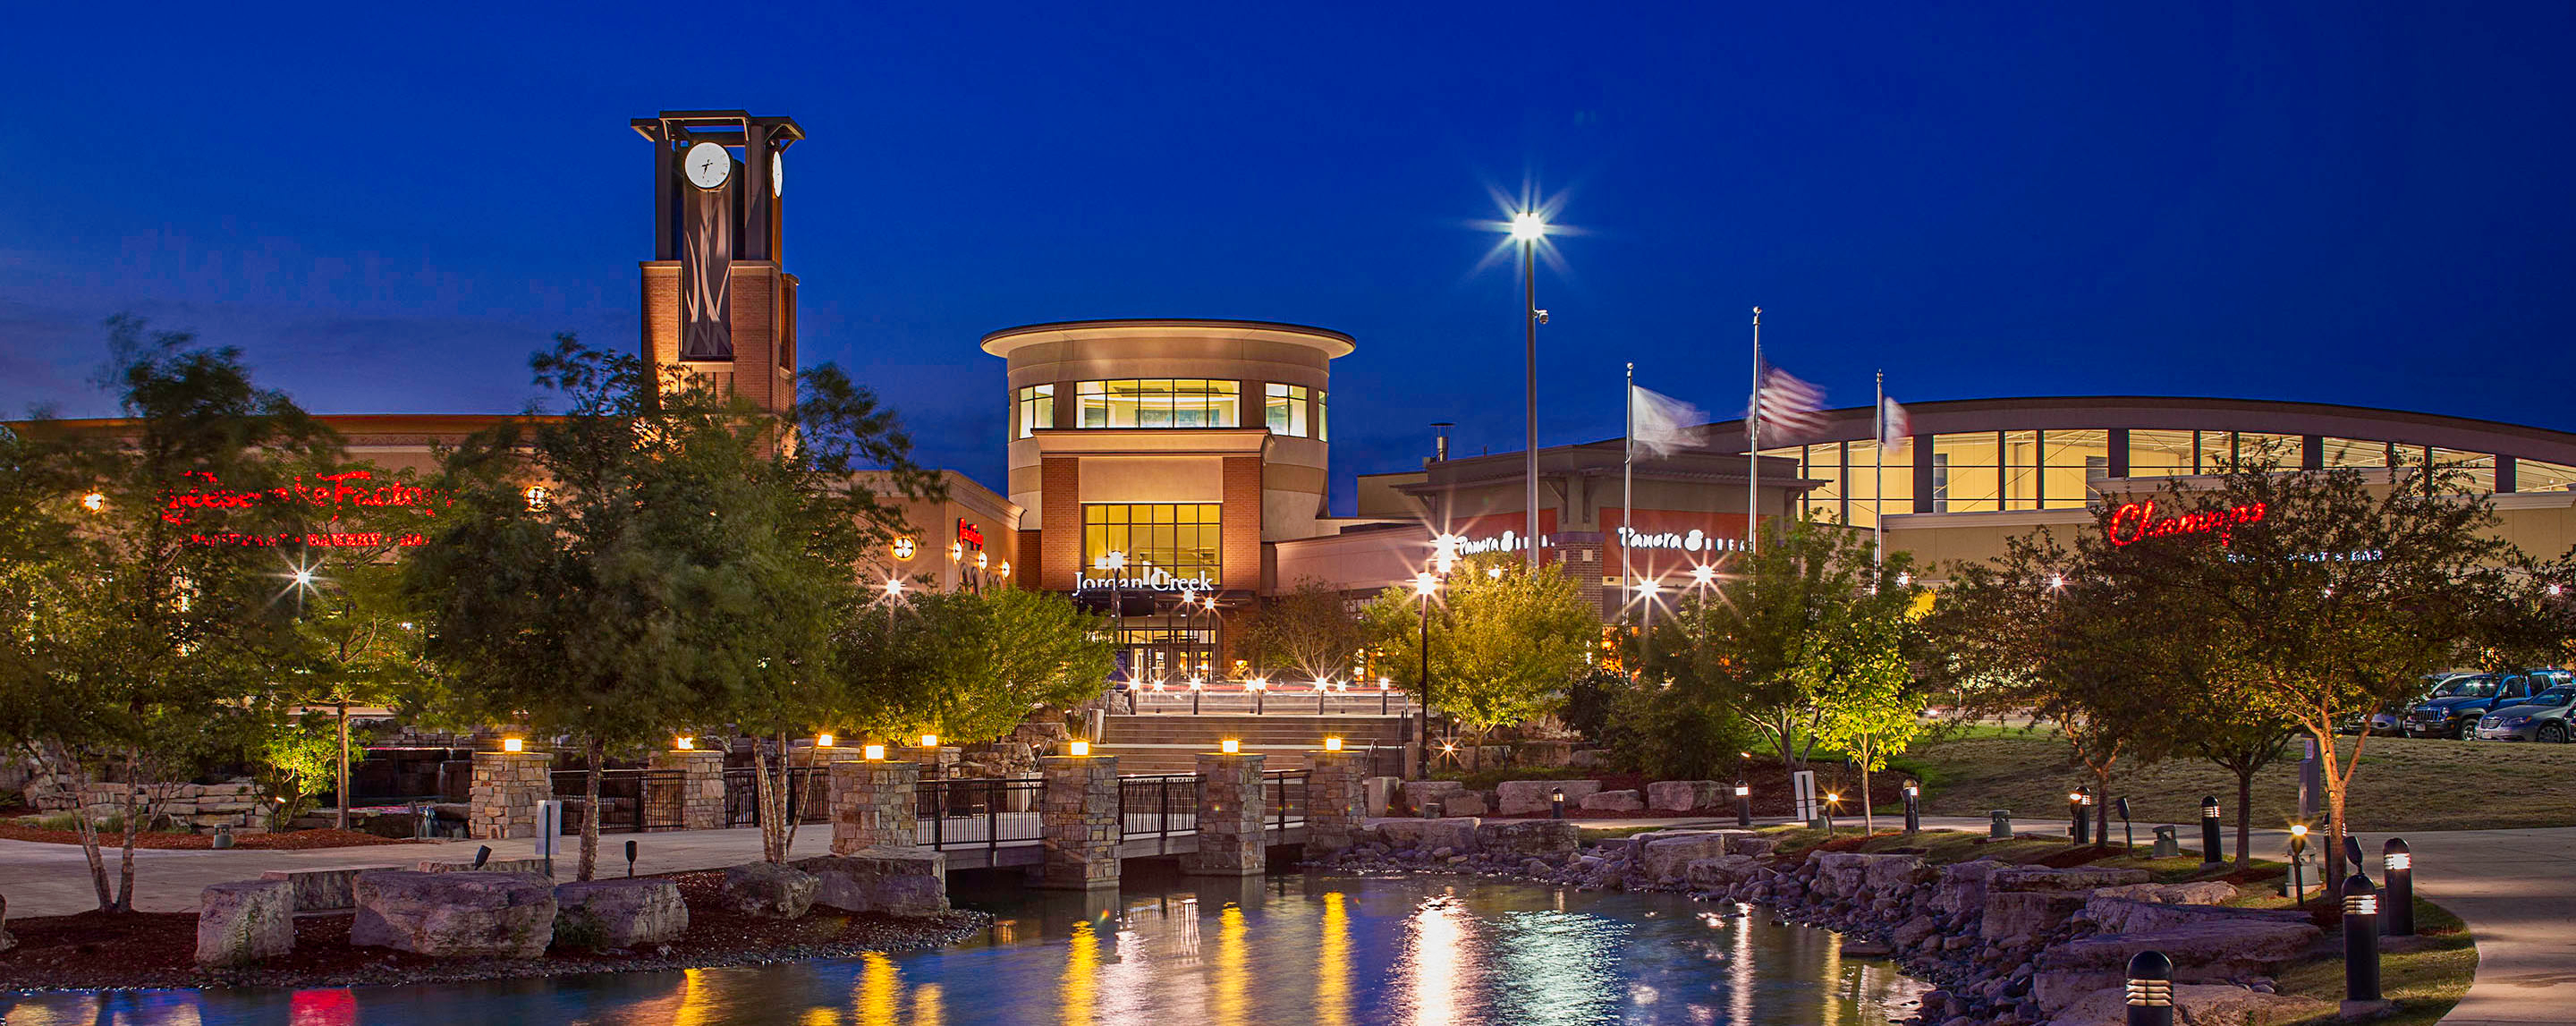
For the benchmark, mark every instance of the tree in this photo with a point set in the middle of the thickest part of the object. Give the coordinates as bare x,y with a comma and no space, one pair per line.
149,575
972,666
1806,609
1504,641
1866,700
362,648
1309,629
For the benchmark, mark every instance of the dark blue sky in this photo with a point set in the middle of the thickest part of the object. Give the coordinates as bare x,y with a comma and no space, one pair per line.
388,207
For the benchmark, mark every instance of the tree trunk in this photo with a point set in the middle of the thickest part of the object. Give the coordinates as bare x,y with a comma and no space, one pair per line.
340,791
2102,808
133,827
764,795
2333,861
2244,820
1868,822
56,761
786,776
590,811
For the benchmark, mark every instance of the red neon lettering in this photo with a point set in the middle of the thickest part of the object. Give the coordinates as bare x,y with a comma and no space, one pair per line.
2135,521
337,494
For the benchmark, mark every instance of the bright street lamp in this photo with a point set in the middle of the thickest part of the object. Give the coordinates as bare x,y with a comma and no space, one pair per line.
1527,228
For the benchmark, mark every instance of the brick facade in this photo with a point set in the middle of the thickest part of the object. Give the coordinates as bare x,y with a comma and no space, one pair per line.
507,787
1078,822
1060,545
1232,808
875,805
1242,531
1334,797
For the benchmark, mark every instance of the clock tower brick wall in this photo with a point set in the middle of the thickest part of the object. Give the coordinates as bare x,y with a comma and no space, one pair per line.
763,368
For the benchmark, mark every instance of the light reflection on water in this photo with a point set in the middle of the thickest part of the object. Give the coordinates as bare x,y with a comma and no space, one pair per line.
1309,951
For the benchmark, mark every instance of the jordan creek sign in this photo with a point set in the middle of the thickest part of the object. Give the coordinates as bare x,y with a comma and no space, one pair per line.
1149,579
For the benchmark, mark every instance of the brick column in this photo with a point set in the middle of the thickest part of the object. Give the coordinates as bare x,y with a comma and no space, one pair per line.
875,805
1232,805
1078,822
1335,801
697,800
507,787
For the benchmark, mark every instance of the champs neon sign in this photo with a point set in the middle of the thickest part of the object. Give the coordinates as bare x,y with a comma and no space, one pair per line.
2137,521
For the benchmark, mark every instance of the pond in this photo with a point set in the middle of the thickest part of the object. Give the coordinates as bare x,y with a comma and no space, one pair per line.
1308,950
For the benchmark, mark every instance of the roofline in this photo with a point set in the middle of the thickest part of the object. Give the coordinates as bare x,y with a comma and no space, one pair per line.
1340,344
1843,415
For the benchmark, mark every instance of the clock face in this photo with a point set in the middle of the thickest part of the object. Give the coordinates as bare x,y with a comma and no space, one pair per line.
707,165
777,175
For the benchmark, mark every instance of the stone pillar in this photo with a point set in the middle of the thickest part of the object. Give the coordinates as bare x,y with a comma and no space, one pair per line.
1232,807
507,787
697,801
875,805
1078,822
1334,800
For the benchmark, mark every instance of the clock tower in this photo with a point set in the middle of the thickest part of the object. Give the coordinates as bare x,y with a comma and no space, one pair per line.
715,301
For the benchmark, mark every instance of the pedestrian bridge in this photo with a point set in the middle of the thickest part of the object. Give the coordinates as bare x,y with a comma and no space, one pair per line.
982,824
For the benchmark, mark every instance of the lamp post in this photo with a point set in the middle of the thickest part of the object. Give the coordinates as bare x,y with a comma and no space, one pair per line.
1556,803
1913,807
1831,800
1424,584
1743,804
2082,829
1527,228
2298,863
2150,991
2209,843
1115,564
2360,940
2397,863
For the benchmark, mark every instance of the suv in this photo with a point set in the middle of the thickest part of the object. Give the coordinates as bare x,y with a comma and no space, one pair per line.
2390,721
2541,717
2456,714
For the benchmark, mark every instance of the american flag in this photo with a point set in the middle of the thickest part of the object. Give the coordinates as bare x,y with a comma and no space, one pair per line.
1789,406
1895,427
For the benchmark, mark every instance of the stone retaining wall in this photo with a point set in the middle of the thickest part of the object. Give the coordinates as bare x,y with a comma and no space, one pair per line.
195,806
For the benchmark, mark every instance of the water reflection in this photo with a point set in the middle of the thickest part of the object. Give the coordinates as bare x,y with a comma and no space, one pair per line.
1307,951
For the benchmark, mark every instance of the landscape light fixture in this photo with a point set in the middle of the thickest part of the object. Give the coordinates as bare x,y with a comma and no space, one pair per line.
1332,744
929,740
873,753
1230,746
97,501
1077,748
903,548
510,744
685,743
536,496
822,740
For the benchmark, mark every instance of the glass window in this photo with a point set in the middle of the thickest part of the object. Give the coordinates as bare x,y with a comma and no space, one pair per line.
1823,464
2221,450
1967,473
2535,476
1873,487
1160,403
2020,469
2358,454
1037,409
2162,453
1182,539
1321,435
2072,464
1283,407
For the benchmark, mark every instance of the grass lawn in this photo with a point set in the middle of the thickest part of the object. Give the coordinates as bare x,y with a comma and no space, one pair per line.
2403,783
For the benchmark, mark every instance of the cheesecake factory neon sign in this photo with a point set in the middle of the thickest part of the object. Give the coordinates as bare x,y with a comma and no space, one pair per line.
349,491
2137,521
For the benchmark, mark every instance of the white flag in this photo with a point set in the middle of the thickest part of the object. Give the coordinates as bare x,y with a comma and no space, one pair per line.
1661,424
1790,406
1895,428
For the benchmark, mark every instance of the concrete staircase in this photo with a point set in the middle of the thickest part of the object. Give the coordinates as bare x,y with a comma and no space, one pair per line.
1170,744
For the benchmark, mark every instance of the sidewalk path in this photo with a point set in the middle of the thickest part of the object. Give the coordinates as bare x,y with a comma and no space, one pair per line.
2515,888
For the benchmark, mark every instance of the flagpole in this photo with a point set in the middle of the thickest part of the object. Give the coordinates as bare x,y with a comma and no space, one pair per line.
1628,497
1878,479
1753,439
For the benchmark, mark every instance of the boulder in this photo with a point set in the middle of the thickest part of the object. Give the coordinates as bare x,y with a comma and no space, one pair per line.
1962,890
1429,834
1522,797
1720,872
2205,952
619,913
2198,1005
1914,932
767,890
1529,837
6,941
2120,915
531,867
456,915
2080,878
1462,803
1681,795
895,881
2197,892
1546,754
1613,801
1666,858
1377,795
1751,844
245,921
1417,792
2027,913
323,890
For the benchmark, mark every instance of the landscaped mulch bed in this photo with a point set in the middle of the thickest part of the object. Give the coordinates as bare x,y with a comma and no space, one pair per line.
292,840
97,950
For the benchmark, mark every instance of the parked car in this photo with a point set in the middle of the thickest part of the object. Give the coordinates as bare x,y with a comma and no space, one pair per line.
2541,717
2456,715
2391,721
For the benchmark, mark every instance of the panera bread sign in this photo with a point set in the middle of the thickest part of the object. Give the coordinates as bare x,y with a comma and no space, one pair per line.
2137,521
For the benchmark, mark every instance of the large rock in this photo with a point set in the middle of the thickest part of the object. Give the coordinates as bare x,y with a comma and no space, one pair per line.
619,913
1843,874
1681,795
1613,801
1721,872
2213,950
6,941
2121,915
895,881
2080,878
323,890
529,867
1667,858
1522,797
245,921
2197,892
1418,792
1962,890
2027,913
1430,834
1529,837
2198,1005
767,890
1462,803
458,915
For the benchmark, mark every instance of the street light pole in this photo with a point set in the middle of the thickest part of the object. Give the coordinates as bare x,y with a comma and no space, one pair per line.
1423,585
1527,227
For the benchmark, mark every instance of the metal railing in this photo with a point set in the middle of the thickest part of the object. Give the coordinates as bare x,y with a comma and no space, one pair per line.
809,795
1285,792
979,813
1234,700
1159,806
625,804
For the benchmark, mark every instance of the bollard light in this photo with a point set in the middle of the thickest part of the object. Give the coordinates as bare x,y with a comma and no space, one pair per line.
2000,826
1332,744
510,744
2209,842
1556,803
1831,800
2360,939
482,855
2397,863
2081,829
2128,836
873,753
1230,746
1743,804
2298,863
1913,807
822,740
685,743
630,858
1077,748
2150,990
